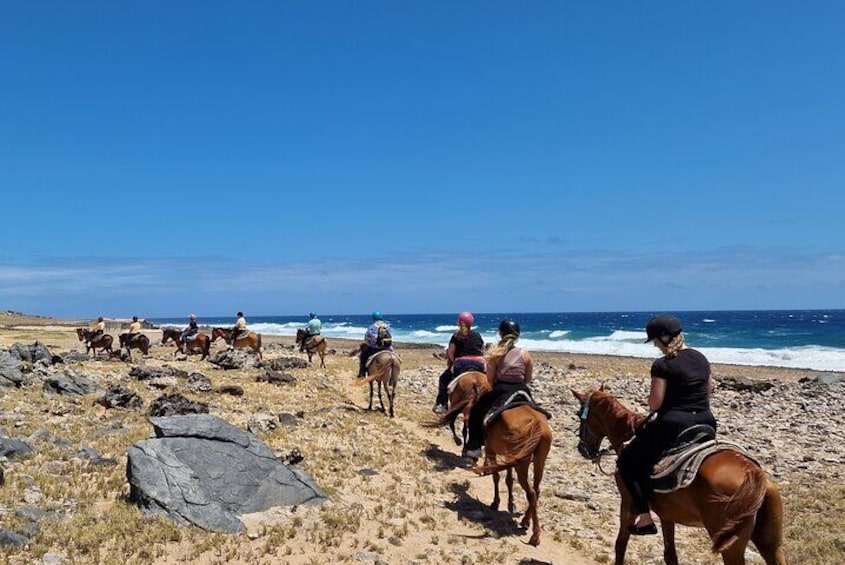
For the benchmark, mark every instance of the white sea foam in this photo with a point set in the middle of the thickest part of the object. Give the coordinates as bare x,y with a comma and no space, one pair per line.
446,328
708,321
620,335
559,333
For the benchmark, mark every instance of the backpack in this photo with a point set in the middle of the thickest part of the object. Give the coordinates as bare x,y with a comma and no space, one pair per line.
383,337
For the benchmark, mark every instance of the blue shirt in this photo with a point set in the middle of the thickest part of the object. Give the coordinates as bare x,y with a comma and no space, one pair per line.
314,326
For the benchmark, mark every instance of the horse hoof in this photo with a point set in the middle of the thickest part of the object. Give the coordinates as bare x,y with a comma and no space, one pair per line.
535,541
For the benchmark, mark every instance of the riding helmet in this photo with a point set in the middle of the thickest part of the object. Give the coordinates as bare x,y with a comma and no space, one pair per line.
377,316
240,314
134,318
508,327
662,326
312,314
193,316
466,319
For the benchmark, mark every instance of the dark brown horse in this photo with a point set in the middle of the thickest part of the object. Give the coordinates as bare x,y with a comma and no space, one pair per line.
467,389
384,370
731,497
251,340
139,341
519,437
316,344
200,343
103,342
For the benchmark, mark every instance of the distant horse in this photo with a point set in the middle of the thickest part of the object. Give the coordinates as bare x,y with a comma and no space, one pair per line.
199,343
140,341
384,369
103,342
731,497
316,344
251,340
467,389
518,437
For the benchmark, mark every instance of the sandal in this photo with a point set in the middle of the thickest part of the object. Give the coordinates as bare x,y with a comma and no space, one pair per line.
646,530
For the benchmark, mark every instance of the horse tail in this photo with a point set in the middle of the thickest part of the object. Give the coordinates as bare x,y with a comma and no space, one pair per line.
449,417
206,347
522,445
740,507
768,524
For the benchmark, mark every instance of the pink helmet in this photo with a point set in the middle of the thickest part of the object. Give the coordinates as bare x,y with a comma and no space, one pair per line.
466,318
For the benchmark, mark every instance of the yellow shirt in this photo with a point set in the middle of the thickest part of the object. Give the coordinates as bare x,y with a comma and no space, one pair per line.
135,327
99,326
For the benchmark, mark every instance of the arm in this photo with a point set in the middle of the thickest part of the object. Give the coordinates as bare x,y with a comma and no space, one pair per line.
529,366
450,354
657,394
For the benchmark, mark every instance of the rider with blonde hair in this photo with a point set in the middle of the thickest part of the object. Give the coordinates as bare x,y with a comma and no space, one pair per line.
465,353
509,369
679,398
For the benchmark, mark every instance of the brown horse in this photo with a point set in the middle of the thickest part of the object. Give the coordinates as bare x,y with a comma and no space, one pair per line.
140,341
317,345
520,435
468,388
103,342
731,497
200,343
251,340
384,369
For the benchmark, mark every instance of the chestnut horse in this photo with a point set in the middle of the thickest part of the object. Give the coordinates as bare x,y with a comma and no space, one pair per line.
467,389
318,346
251,340
384,369
199,343
140,341
103,342
731,497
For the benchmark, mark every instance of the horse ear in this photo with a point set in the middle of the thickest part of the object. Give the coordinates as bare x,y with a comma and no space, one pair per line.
578,395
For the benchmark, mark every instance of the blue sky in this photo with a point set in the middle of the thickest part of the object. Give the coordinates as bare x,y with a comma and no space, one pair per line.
160,158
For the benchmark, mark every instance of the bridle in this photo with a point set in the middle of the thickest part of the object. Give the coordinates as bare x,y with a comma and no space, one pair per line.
587,438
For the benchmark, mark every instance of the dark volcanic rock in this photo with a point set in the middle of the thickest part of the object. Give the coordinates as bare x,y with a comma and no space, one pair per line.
276,378
176,404
31,353
144,373
10,370
199,382
8,537
234,390
233,359
741,384
282,363
120,396
74,355
70,382
201,470
14,447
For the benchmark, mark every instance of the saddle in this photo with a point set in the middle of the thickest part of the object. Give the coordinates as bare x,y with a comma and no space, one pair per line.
377,353
518,398
240,334
680,463
313,341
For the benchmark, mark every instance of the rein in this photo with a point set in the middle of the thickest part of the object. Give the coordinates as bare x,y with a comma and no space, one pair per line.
586,436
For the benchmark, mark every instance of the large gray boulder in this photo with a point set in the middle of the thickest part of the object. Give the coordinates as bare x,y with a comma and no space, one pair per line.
10,370
201,470
233,359
71,382
31,353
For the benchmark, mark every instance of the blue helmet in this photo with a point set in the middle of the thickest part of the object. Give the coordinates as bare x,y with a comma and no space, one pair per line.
312,314
377,316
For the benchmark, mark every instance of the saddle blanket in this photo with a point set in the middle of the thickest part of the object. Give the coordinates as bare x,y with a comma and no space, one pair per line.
313,341
518,398
678,471
453,384
382,352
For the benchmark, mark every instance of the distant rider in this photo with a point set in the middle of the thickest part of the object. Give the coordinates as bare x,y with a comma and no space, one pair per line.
509,369
377,338
465,353
189,333
239,330
98,329
312,329
134,330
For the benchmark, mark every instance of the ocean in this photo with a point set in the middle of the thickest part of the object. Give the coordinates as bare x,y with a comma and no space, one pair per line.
811,339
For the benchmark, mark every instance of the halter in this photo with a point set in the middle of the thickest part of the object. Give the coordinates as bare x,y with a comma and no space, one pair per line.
587,436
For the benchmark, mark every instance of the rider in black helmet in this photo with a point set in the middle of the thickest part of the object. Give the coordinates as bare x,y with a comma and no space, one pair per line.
679,398
509,369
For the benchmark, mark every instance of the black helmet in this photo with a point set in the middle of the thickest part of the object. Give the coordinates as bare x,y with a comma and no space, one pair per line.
661,326
508,327
134,318
240,314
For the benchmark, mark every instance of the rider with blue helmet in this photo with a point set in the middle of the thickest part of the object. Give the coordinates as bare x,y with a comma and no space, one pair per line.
378,338
313,328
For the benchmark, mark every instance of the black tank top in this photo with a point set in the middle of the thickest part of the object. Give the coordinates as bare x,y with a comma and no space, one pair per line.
471,345
687,376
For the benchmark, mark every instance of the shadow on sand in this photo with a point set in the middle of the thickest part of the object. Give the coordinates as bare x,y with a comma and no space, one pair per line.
498,522
444,460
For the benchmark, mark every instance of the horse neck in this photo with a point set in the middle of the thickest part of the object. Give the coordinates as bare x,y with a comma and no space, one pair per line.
618,421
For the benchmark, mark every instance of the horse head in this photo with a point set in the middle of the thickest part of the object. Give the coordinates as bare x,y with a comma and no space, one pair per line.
300,335
80,333
591,432
218,333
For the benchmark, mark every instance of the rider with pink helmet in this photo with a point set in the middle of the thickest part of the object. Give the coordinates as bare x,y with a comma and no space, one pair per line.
465,353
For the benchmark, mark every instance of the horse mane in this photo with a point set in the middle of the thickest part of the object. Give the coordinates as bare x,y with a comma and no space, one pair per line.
616,411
